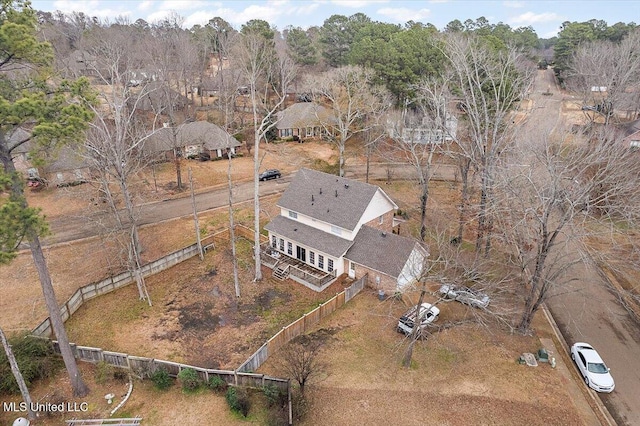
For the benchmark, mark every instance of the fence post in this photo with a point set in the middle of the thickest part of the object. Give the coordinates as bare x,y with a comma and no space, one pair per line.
289,397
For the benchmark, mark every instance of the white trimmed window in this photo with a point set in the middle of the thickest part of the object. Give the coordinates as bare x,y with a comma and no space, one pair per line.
274,241
312,258
289,247
329,265
321,261
281,244
293,215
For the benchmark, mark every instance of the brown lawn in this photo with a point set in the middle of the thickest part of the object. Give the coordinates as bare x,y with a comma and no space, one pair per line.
461,375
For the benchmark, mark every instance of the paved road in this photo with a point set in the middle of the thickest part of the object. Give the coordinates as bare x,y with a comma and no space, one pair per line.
73,228
586,310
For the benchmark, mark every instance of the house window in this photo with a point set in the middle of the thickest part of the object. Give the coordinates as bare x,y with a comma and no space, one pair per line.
320,261
281,244
381,220
293,215
336,230
274,241
312,258
329,265
289,247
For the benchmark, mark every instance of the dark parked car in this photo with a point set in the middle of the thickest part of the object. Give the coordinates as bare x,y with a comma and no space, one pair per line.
202,156
270,174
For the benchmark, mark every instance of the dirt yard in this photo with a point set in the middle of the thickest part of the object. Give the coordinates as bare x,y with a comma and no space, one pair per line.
461,375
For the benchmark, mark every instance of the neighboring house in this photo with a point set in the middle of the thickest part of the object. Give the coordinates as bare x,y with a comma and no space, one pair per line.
65,167
631,134
193,137
330,225
20,149
81,63
157,98
422,131
305,120
633,140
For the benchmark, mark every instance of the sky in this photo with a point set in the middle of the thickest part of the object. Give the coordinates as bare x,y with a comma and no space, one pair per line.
544,16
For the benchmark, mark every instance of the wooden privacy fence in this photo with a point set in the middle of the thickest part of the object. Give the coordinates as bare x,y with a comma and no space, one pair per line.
301,325
145,367
110,284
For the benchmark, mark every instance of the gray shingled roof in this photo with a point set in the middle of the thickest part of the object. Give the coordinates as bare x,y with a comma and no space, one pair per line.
202,133
16,137
308,236
67,158
384,252
303,114
313,194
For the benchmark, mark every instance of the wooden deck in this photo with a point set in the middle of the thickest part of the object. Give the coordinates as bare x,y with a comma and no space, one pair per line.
288,267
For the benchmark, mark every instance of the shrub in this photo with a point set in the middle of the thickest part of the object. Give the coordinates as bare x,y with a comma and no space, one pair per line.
217,384
275,397
161,379
120,375
238,400
189,379
35,358
104,372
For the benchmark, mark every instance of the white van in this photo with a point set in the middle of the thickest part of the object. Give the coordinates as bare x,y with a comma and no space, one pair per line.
427,312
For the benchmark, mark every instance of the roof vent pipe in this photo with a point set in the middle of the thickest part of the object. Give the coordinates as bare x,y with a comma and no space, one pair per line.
336,192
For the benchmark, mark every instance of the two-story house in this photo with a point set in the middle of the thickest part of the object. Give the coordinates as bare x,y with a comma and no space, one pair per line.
329,226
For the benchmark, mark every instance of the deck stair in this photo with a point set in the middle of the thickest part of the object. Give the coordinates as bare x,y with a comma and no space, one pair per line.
281,272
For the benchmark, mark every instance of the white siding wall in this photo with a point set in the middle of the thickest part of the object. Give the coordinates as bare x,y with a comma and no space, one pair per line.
378,206
338,263
412,269
323,226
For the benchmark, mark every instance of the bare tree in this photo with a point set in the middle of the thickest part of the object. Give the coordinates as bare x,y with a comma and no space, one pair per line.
172,58
606,76
268,72
418,133
15,369
489,83
355,102
550,202
300,360
232,226
115,141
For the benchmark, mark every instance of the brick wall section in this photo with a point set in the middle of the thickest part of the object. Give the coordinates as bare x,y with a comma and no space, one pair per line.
387,222
387,283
